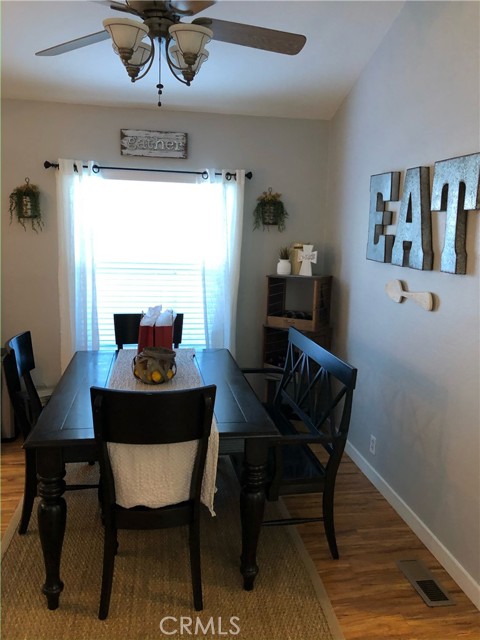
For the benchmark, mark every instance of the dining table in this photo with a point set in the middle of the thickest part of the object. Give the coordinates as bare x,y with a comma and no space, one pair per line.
64,433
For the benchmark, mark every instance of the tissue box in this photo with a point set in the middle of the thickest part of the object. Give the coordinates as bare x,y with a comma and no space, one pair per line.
155,337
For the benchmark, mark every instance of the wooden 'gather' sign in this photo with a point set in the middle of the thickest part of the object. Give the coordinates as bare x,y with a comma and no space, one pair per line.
155,144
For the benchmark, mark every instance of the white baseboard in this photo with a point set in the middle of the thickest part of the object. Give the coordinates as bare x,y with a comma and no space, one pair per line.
464,580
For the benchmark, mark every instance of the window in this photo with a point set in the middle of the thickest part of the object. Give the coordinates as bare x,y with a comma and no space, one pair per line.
149,244
138,243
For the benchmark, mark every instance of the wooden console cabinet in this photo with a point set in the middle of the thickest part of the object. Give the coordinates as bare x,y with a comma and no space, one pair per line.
302,302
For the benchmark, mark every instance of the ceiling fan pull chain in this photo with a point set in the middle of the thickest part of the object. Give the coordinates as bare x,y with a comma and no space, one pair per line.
159,85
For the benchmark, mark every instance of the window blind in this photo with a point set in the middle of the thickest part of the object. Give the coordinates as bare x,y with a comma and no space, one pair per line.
132,287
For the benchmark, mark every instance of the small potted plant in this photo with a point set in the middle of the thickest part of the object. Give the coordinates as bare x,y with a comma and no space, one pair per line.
284,266
270,211
25,205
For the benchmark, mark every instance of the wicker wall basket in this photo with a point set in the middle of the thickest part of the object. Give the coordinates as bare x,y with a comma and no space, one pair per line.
270,211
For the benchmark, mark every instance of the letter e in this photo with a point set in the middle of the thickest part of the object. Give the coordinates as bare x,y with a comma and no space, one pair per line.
383,188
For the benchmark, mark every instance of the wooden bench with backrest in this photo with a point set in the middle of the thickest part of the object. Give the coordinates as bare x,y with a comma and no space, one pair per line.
311,406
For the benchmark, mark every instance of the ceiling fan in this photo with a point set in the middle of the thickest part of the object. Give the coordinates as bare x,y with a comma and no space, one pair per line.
184,42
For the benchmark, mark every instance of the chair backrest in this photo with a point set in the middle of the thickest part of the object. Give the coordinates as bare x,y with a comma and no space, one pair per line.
18,364
177,330
318,387
147,418
126,328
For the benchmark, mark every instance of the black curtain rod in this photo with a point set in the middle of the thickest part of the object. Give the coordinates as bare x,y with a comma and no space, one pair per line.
96,168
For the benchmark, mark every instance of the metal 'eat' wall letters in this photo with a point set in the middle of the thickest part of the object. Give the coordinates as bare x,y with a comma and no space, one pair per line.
456,190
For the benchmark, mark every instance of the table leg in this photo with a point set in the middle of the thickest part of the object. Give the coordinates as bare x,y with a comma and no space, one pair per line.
252,505
52,516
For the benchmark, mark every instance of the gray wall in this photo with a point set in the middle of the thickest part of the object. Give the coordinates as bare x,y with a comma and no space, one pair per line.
417,102
288,155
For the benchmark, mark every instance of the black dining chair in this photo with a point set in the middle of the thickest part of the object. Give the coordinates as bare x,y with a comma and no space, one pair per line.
146,419
18,364
312,409
126,327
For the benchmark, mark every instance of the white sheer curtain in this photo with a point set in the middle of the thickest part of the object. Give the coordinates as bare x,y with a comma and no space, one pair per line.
222,260
78,205
76,268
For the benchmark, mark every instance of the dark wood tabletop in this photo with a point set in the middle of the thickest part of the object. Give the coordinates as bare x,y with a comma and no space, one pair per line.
64,433
67,418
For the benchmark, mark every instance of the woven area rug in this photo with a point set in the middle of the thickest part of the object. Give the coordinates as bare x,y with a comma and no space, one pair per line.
151,597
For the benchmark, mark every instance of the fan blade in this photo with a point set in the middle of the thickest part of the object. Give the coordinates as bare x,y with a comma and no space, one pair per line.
71,45
256,37
183,7
191,7
134,8
117,6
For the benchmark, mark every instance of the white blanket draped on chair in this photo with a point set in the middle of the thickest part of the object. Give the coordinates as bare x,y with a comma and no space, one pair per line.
163,469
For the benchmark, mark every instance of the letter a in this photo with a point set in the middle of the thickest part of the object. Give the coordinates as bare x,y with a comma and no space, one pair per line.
413,241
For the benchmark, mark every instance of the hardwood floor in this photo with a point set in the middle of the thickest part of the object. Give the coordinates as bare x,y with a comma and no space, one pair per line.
370,596
12,478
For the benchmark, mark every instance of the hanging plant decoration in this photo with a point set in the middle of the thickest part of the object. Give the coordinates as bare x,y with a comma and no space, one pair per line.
25,205
269,211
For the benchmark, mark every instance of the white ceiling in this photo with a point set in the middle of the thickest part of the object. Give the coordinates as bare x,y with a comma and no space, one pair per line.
341,38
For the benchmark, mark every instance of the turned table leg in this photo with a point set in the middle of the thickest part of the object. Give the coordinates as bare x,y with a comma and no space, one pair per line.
52,515
252,506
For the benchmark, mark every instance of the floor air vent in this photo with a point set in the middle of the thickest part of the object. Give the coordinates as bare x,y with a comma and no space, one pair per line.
424,583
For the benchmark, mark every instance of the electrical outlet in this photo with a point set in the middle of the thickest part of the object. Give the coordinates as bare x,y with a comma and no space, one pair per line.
373,444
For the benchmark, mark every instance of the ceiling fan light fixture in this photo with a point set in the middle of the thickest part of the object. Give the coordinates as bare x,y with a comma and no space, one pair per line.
160,23
126,35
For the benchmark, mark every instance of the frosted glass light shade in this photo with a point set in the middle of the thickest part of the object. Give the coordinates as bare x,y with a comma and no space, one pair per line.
180,62
190,38
125,33
141,55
